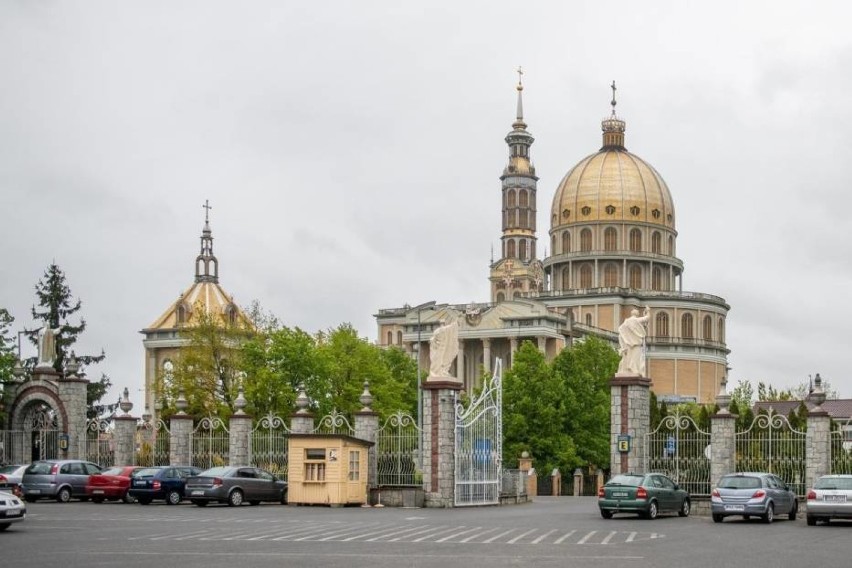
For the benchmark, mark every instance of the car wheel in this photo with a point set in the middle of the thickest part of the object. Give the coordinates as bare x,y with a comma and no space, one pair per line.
717,518
794,511
606,514
685,507
97,499
769,516
811,520
235,499
143,501
128,498
173,497
199,502
63,495
284,497
747,517
4,526
652,510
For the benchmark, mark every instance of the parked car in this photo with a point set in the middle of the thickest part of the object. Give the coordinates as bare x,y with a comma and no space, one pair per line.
10,478
111,484
831,498
57,479
234,486
646,494
753,494
166,483
12,510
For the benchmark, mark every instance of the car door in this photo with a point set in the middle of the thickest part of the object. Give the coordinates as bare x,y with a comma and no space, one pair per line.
77,477
784,499
267,482
249,483
668,494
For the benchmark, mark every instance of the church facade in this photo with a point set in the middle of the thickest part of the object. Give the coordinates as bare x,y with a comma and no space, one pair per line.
613,248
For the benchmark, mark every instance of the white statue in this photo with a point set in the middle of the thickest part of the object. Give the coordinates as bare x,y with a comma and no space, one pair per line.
631,343
47,346
444,347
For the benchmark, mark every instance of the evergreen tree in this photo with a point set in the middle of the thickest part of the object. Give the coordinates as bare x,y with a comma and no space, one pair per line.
56,306
8,358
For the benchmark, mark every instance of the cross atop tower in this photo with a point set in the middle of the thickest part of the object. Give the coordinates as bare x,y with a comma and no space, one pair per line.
208,207
613,103
520,72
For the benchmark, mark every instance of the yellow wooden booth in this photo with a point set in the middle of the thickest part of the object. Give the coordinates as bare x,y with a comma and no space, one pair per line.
327,469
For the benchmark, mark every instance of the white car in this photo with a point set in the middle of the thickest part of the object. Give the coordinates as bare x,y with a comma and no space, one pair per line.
12,510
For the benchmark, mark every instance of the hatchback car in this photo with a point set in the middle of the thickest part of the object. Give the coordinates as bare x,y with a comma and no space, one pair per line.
234,486
10,478
831,498
57,479
111,484
166,483
12,510
646,494
753,494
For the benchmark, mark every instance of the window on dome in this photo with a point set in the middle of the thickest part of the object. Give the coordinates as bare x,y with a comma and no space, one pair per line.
635,277
610,275
669,218
655,213
635,240
662,324
565,214
586,276
671,246
657,278
634,211
707,331
721,334
610,239
656,242
686,327
566,241
586,210
586,240
501,297
523,199
510,249
553,243
610,210
512,218
399,338
522,250
390,338
566,279
510,200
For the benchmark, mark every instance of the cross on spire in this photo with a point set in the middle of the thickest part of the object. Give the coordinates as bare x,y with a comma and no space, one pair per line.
613,103
207,207
520,72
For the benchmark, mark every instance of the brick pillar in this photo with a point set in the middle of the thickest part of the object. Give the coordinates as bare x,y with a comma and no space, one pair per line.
240,430
556,482
125,440
180,429
818,446
529,474
723,446
72,393
630,414
439,442
578,482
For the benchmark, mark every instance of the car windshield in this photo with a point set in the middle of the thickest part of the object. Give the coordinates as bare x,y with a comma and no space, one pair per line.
829,483
739,482
39,468
9,468
147,472
631,480
215,472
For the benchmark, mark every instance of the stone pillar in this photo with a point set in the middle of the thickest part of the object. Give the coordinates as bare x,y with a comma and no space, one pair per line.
578,482
180,429
542,344
513,346
367,428
302,422
72,393
439,434
529,474
723,439
125,440
630,415
460,363
818,448
239,428
556,482
486,355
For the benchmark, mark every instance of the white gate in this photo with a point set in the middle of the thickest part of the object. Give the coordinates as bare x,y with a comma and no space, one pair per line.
268,445
210,443
100,442
681,450
771,444
154,444
479,445
841,447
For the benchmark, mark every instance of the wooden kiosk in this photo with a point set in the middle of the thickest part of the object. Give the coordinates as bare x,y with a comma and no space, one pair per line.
327,469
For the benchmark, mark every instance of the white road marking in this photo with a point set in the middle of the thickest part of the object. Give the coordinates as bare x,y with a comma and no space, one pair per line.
520,536
403,531
608,537
630,537
544,536
452,536
483,533
436,533
587,537
493,538
563,537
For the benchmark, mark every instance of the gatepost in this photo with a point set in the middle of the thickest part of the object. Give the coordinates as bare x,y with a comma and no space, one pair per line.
180,428
125,433
630,418
723,451
367,428
239,428
818,437
439,441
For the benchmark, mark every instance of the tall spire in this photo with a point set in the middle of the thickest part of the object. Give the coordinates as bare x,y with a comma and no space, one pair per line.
613,127
206,264
519,123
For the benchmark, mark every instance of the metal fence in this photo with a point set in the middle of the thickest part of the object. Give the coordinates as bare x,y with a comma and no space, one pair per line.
513,483
154,444
841,447
681,450
210,443
398,452
334,423
772,445
268,445
100,442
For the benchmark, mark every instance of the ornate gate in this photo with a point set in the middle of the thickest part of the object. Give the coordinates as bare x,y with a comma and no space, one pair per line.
154,444
479,445
398,452
210,443
681,450
268,445
841,447
772,445
100,442
37,438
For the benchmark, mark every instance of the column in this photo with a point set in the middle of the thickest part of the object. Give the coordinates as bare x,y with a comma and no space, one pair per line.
367,428
818,446
486,355
439,442
72,393
542,344
513,346
125,440
239,427
630,416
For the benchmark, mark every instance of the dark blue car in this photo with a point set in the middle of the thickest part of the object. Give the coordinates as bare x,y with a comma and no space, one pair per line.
161,483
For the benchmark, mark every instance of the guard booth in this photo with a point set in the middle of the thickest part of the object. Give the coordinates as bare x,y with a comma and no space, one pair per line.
327,469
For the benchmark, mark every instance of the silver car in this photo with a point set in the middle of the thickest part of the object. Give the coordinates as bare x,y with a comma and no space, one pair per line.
10,478
12,510
753,494
57,479
831,498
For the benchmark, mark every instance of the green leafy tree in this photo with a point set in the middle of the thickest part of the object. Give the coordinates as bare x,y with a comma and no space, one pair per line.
766,392
743,395
56,308
8,358
534,413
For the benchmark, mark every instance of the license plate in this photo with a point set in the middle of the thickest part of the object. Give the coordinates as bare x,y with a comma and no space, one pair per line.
35,491
836,498
734,507
138,484
11,513
198,492
98,491
619,494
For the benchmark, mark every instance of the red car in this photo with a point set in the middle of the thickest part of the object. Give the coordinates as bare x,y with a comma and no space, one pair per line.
111,484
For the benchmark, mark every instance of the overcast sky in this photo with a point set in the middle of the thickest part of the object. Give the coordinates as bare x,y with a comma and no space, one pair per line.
352,151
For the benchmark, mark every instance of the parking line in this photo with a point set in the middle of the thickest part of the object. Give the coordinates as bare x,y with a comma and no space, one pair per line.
563,537
520,536
485,532
427,528
403,531
608,537
446,538
544,536
630,537
586,538
493,538
436,533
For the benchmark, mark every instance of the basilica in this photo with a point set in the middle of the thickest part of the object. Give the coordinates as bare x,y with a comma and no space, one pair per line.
613,248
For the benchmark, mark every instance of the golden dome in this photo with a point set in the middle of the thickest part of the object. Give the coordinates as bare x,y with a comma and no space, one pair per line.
612,185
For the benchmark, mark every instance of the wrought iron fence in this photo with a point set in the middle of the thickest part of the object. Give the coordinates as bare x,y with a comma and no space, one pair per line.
334,423
154,444
210,443
841,448
100,442
398,452
771,444
681,450
513,483
268,445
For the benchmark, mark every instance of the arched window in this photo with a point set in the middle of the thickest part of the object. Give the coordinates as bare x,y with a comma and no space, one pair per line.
501,297
181,314
522,249
635,240
523,201
390,338
610,275
585,276
510,201
662,324
656,242
589,320
510,249
671,246
610,239
586,240
707,329
566,278
512,217
686,327
231,315
721,334
566,241
636,276
657,278
399,338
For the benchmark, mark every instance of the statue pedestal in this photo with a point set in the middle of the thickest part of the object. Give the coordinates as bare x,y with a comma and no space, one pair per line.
450,381
630,420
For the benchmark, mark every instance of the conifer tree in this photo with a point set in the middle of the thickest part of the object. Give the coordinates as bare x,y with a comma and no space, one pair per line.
8,356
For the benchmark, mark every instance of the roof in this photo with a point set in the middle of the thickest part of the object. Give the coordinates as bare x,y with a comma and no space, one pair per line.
838,409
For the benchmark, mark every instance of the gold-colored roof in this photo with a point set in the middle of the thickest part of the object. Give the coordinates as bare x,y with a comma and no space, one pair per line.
612,185
206,296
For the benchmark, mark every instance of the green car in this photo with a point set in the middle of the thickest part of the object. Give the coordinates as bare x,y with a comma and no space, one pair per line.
647,495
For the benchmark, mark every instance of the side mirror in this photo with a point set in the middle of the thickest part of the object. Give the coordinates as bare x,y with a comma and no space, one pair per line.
677,487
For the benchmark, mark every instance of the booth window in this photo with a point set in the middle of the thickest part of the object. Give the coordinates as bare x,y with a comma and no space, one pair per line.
314,464
354,466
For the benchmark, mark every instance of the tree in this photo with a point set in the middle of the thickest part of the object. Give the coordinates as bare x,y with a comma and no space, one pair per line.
743,395
8,356
534,413
56,306
766,392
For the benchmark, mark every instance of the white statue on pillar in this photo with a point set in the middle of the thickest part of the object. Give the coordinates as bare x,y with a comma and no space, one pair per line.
443,348
631,344
47,346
